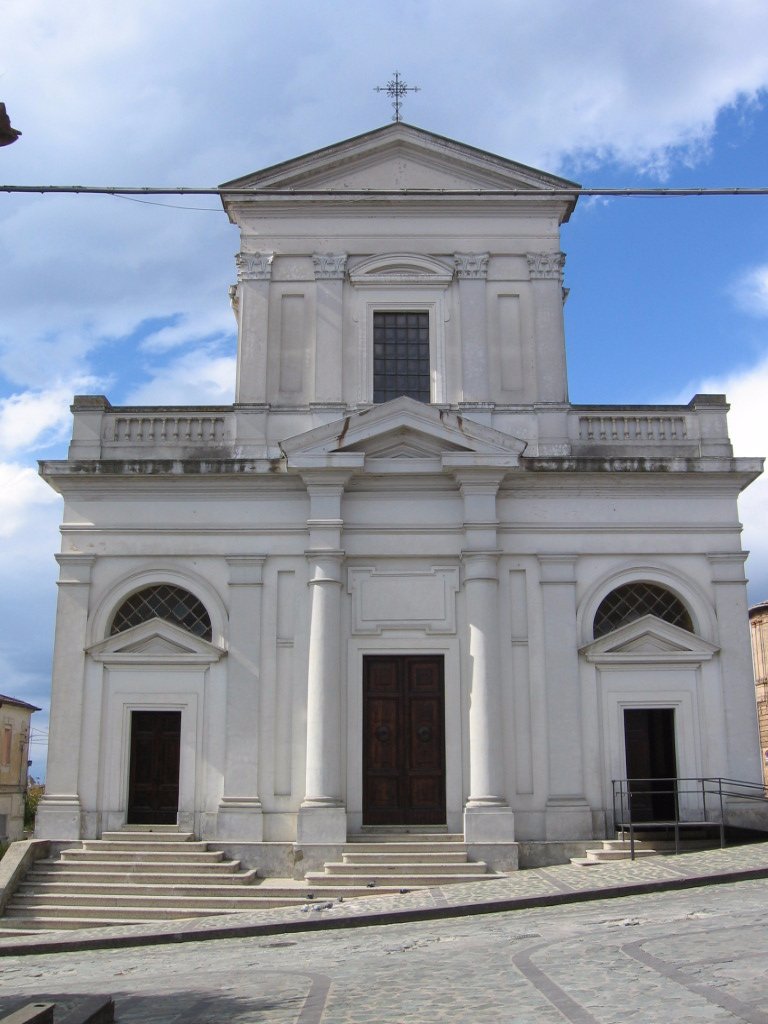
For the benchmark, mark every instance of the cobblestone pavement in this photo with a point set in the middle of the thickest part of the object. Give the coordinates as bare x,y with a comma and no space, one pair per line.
698,955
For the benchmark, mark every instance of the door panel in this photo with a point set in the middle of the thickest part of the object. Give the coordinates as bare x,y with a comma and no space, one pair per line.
153,790
403,740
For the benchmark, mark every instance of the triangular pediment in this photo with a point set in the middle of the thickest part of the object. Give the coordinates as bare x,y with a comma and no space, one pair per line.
155,641
649,639
395,157
403,430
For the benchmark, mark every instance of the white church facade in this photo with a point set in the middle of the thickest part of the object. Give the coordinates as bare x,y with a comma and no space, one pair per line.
402,582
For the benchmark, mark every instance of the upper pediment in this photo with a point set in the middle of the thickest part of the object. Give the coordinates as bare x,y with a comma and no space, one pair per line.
647,640
156,641
403,430
396,157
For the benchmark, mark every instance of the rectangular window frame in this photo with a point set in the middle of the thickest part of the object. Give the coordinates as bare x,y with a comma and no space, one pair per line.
405,303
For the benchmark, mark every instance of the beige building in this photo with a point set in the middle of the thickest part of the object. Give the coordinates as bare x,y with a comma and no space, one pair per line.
402,581
758,622
15,717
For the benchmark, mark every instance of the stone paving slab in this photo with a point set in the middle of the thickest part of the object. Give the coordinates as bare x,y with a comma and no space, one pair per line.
550,886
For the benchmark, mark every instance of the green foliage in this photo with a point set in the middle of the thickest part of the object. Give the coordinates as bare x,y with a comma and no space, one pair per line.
32,797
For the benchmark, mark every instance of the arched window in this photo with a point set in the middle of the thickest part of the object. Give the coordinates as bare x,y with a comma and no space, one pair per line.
164,601
633,600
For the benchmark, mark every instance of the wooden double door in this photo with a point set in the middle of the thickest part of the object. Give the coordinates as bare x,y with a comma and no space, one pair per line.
403,740
153,787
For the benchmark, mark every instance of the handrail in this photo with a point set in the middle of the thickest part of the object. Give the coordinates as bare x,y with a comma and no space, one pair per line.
694,792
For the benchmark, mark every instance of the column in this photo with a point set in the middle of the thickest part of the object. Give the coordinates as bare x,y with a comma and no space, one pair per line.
322,816
487,815
568,815
471,271
240,813
546,273
330,270
58,816
254,271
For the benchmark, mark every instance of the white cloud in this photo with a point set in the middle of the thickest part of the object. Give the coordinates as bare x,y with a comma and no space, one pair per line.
35,419
23,495
751,291
202,377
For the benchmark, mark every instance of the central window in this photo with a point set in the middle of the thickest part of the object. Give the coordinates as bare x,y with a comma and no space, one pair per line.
401,355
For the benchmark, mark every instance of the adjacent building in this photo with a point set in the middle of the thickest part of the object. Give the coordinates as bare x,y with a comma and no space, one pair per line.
15,717
402,581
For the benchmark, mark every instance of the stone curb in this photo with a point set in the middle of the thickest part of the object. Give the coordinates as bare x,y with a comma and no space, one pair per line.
77,944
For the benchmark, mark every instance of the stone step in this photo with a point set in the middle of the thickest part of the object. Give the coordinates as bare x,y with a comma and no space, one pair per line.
382,866
407,857
449,849
405,836
115,903
90,866
148,836
153,857
145,846
88,880
102,887
106,914
404,881
44,923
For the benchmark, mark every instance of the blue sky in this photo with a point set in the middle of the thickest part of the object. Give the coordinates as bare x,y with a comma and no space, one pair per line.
105,295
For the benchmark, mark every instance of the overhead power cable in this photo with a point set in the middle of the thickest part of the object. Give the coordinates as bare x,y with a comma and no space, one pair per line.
564,193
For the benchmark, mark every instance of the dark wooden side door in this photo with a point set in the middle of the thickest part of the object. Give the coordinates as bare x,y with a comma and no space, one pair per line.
403,740
153,790
649,739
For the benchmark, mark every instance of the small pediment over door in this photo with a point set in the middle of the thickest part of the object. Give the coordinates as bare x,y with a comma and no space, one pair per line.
155,642
649,640
401,436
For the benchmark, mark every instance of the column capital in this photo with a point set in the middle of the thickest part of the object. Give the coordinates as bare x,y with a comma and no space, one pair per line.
329,266
326,566
75,568
545,266
479,479
471,266
254,266
728,567
246,570
480,565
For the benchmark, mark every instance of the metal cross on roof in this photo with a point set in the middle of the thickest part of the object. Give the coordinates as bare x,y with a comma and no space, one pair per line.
396,89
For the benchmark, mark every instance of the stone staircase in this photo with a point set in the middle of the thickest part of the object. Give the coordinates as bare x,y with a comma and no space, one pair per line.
612,850
403,860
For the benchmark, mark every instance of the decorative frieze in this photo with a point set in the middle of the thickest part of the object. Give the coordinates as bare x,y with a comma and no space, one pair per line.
472,266
545,266
329,266
254,266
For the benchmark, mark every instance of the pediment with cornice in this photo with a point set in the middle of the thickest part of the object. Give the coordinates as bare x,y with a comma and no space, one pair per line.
400,432
649,640
396,157
155,642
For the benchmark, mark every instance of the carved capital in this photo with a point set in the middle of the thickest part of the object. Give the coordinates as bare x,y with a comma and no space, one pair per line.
546,266
329,266
471,265
254,266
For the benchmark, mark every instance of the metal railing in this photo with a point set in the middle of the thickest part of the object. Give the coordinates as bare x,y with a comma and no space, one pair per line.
676,803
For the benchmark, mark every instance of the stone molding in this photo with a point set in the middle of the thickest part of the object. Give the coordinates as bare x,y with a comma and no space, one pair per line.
254,266
545,266
329,266
471,266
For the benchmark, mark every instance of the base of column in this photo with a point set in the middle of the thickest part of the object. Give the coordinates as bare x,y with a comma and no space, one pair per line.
58,817
568,818
240,819
321,825
489,824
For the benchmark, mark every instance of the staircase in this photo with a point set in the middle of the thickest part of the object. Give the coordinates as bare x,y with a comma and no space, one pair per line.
612,850
400,860
138,877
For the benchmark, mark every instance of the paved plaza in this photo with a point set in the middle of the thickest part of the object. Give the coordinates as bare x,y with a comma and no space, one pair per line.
547,945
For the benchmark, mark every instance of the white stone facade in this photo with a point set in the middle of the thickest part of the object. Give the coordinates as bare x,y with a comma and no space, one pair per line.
319,529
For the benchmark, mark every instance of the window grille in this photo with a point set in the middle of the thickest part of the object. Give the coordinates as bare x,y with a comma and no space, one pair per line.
633,600
401,356
163,601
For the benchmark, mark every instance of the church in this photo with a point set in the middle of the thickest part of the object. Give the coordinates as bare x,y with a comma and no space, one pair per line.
402,582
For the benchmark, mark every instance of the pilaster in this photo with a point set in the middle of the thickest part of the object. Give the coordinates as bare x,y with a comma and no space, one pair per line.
330,270
254,271
240,811
471,271
59,813
568,815
545,270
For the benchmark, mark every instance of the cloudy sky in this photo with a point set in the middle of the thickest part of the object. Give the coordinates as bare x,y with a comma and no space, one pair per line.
108,295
